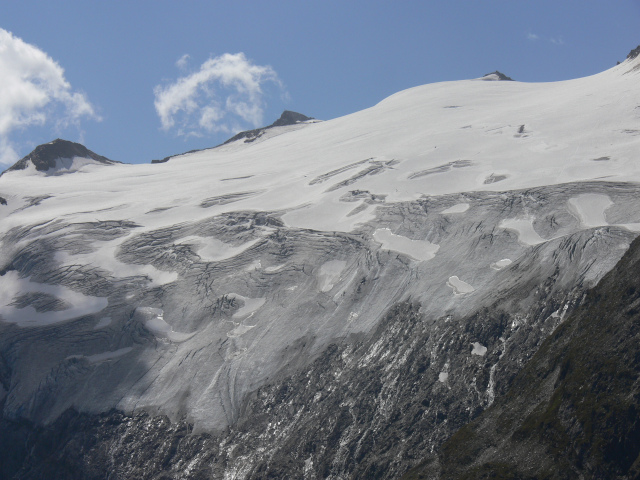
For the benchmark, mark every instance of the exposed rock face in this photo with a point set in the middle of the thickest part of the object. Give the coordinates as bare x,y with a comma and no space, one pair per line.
634,53
46,157
573,411
287,118
497,76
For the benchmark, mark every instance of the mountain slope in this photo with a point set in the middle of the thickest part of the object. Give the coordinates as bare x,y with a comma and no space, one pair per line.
572,412
329,302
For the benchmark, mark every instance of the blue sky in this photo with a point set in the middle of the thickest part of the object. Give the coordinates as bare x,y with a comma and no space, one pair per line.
135,81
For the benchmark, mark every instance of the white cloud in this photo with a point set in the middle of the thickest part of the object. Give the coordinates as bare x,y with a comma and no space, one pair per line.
225,92
557,41
34,91
182,62
533,37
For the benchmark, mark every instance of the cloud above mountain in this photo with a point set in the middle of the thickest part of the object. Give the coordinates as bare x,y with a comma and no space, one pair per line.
224,94
34,92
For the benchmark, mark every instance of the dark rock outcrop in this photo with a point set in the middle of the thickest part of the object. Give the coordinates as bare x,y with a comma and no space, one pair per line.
287,118
500,75
574,410
634,53
44,157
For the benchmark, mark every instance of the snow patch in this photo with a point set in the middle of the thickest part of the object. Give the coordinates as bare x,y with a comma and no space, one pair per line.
153,320
104,356
459,287
524,228
251,305
239,330
11,285
500,264
478,349
590,209
443,377
420,250
329,274
211,249
458,208
104,257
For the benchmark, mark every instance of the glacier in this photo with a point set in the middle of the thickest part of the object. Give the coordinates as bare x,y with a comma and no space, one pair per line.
319,255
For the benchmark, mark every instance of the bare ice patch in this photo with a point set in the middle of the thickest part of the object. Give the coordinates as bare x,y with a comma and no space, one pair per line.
478,349
329,274
459,287
420,250
590,209
153,320
524,228
500,264
458,208
78,304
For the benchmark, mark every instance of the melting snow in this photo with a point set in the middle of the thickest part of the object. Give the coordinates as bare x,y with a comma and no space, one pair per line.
478,349
104,257
500,264
101,357
524,228
459,287
590,209
458,208
153,319
420,250
329,274
251,305
11,285
213,250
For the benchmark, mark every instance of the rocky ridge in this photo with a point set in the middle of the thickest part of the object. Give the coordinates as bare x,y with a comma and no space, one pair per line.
53,155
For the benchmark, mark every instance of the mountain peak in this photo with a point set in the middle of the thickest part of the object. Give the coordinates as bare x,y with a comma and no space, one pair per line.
634,53
48,157
497,76
287,118
290,118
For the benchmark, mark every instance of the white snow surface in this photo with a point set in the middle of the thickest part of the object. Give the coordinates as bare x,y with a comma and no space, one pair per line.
412,127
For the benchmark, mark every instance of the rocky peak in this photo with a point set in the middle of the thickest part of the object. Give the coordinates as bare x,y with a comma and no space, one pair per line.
44,157
290,118
634,53
287,118
497,76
